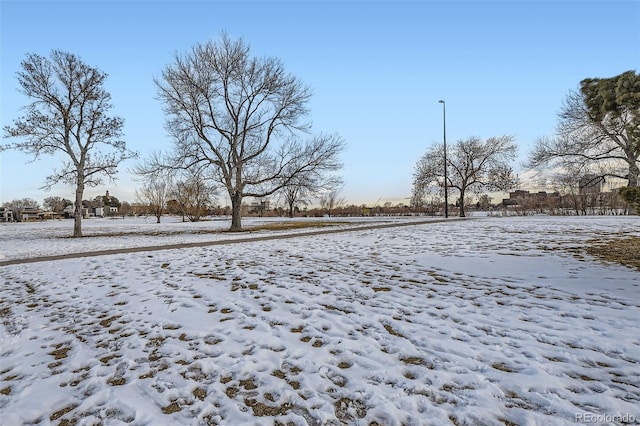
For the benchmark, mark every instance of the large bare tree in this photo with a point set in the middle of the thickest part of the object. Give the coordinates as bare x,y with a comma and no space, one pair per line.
68,115
473,165
239,116
598,132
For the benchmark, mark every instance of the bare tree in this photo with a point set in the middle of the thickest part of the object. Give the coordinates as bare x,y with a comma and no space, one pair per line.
193,195
331,200
21,203
56,204
154,194
157,184
598,131
566,182
308,183
68,114
472,164
126,209
238,115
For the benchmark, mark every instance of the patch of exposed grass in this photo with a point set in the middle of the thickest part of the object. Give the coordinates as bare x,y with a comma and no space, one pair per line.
624,251
413,360
392,331
174,407
62,412
346,408
105,359
200,393
263,410
60,352
106,323
117,381
503,367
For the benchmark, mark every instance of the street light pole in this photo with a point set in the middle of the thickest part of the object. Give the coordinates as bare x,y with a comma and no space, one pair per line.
444,129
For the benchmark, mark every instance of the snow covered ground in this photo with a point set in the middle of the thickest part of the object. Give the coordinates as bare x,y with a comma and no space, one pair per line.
483,321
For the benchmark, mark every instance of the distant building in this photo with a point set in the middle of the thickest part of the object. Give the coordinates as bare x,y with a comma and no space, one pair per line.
28,213
6,215
590,184
613,184
71,211
259,206
521,197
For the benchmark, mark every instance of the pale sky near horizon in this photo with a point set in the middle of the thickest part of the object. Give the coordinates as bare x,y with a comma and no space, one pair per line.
377,70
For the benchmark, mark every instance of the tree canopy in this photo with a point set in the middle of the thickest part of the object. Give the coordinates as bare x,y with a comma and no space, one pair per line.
241,116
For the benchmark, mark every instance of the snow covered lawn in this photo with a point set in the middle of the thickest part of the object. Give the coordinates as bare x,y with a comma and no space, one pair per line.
483,321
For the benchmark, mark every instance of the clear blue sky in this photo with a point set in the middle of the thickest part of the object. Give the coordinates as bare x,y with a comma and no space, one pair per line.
377,70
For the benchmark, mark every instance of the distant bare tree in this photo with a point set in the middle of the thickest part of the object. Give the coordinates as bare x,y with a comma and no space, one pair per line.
125,209
21,203
566,182
484,202
68,114
238,115
155,194
331,200
309,183
56,204
193,195
418,195
157,184
473,165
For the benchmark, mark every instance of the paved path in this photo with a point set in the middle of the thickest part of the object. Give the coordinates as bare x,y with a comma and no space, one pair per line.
218,242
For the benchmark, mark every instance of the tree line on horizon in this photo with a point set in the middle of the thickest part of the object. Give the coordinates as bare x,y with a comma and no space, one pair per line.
240,123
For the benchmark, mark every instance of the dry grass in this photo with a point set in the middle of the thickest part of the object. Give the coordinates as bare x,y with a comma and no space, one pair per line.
624,251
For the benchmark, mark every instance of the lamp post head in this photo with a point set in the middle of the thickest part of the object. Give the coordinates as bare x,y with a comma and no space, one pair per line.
441,101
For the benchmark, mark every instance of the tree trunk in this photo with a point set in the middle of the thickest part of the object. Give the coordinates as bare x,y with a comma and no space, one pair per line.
462,204
158,218
634,171
236,212
77,220
291,209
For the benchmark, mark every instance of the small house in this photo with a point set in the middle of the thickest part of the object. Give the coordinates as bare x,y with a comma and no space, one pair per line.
6,215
